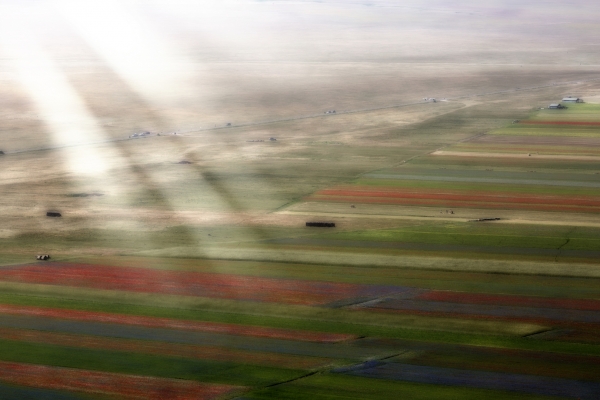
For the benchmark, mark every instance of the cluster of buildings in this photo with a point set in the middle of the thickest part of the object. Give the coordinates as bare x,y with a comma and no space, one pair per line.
140,134
271,139
569,99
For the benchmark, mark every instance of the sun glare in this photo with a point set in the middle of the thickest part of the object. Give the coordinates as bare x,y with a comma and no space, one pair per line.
131,46
61,107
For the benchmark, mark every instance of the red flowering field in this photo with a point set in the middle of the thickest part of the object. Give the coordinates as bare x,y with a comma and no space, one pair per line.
125,386
425,197
186,283
200,326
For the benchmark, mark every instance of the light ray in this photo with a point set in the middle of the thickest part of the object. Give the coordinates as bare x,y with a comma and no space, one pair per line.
61,108
131,46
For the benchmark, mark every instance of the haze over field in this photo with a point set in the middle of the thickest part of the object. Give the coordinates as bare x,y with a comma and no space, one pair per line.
299,199
184,65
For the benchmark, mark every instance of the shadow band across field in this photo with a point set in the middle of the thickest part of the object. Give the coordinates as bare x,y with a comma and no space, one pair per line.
26,393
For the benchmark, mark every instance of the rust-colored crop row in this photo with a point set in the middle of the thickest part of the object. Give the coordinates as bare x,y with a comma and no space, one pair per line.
154,322
125,386
184,283
466,200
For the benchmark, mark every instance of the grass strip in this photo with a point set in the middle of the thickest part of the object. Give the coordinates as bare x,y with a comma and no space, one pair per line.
468,239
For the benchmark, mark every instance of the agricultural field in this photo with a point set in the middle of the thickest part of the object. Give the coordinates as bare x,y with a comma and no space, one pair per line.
524,171
463,263
106,329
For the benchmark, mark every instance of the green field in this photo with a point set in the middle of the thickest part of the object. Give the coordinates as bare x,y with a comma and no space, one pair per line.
483,235
549,130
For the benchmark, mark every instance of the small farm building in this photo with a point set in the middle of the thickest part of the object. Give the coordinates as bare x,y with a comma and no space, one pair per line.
572,100
321,224
556,106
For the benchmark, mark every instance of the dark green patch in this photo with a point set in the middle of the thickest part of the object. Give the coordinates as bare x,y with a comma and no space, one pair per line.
143,364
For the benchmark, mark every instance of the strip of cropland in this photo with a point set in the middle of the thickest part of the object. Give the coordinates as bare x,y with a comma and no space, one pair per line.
271,330
542,170
458,181
42,323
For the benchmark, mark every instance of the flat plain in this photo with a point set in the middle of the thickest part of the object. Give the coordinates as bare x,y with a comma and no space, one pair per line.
464,258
